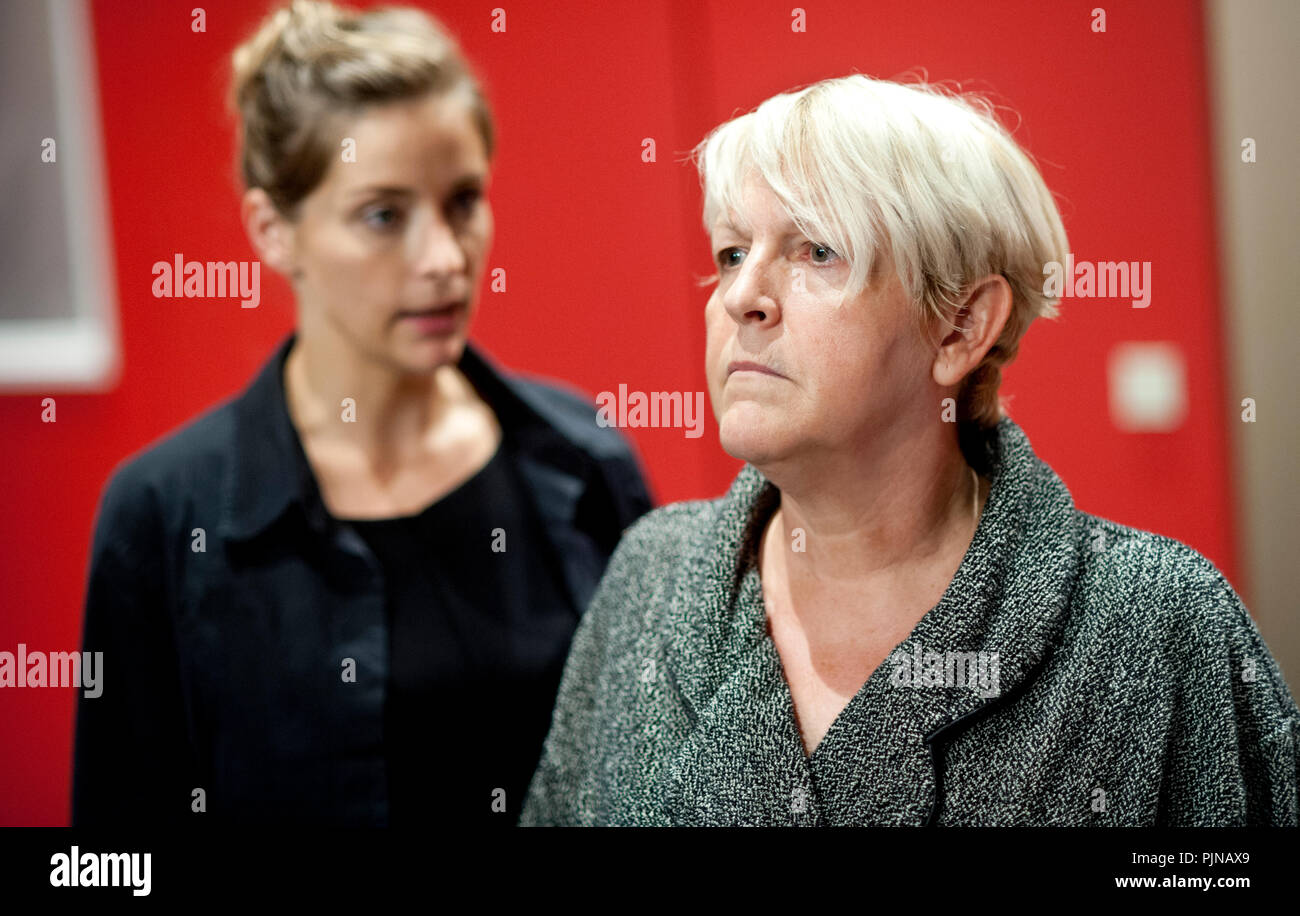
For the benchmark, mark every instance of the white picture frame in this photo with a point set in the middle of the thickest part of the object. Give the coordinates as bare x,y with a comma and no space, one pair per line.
76,346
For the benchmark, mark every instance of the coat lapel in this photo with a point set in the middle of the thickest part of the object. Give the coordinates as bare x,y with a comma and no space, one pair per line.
743,762
881,760
556,493
556,471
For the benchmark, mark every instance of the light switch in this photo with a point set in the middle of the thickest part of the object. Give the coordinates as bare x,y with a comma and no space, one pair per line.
1148,386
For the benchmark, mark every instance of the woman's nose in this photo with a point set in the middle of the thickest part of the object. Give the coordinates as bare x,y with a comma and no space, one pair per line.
439,251
754,293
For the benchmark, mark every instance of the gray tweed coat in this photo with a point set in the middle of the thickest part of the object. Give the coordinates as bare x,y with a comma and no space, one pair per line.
1117,680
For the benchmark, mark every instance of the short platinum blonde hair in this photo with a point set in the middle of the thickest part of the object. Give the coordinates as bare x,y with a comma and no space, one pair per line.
904,176
311,63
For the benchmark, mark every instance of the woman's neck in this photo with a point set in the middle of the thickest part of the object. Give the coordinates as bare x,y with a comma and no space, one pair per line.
891,518
337,396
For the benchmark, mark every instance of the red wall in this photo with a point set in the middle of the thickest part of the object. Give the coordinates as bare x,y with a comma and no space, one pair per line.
601,250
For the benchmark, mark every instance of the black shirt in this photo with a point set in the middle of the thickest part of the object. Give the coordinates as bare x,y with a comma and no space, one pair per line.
245,631
479,627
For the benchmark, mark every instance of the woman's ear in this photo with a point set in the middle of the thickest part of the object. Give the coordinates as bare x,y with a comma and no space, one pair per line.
980,321
270,233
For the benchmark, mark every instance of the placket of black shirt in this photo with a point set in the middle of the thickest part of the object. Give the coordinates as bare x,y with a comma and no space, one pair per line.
478,638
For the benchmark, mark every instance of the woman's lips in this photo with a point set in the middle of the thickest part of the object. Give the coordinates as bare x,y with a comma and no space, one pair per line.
735,367
441,320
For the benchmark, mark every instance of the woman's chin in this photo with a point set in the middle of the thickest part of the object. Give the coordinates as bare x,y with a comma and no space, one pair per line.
430,354
749,439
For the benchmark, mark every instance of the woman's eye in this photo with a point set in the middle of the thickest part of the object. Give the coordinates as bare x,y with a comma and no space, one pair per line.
466,200
821,254
381,217
729,257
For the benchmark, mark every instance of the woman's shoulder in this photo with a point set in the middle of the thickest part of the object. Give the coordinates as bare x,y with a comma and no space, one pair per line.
562,404
1158,585
1142,568
658,547
190,457
1160,601
672,528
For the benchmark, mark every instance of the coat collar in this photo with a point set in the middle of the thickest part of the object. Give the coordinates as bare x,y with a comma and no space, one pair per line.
265,474
1009,597
269,472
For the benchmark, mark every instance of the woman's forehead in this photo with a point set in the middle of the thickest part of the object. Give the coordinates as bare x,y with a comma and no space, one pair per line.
770,218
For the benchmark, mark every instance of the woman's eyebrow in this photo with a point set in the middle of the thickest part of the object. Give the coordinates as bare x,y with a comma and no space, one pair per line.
469,182
788,231
380,189
730,227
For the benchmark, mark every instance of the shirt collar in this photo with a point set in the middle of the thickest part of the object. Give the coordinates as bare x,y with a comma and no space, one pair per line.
270,472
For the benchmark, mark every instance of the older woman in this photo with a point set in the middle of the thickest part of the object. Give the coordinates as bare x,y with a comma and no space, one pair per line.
346,595
897,615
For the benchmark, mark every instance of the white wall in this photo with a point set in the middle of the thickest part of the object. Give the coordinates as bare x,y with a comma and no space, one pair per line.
1255,77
